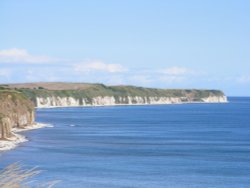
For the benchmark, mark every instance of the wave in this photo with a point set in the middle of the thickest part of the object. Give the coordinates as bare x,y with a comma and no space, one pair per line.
49,125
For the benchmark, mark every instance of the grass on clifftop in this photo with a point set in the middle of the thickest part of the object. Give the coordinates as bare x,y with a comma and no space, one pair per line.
89,91
118,91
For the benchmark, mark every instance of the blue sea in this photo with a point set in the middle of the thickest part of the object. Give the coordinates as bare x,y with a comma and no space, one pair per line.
158,146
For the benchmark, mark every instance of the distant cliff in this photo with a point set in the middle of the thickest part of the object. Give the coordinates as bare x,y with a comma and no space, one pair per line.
17,101
80,94
16,110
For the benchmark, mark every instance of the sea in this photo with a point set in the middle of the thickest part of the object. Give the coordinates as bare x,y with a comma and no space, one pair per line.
154,146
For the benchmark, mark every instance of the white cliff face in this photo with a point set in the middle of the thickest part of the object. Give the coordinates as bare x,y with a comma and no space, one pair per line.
56,101
99,101
215,99
111,100
164,100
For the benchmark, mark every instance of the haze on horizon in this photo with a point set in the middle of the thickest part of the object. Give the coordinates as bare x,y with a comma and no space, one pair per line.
165,44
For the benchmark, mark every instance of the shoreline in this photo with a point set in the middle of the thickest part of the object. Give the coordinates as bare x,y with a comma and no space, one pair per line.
16,139
113,105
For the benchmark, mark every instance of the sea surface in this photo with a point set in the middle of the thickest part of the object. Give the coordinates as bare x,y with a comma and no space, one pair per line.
164,146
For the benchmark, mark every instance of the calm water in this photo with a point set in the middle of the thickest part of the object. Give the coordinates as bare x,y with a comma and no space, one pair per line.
168,146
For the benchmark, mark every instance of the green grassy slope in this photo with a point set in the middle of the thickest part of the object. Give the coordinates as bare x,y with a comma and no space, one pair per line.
94,90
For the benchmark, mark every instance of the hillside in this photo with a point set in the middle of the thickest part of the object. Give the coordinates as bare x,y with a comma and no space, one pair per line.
16,110
50,86
84,94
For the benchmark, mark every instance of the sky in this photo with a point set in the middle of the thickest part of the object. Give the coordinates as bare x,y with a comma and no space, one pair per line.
151,43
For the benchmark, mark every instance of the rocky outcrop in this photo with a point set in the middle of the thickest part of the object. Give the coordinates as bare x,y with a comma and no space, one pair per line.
56,101
16,111
215,99
5,125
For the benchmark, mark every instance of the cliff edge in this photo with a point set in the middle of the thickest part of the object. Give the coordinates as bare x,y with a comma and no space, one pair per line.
17,102
58,94
16,111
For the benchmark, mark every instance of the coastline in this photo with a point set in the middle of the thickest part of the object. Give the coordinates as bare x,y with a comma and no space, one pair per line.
16,139
145,104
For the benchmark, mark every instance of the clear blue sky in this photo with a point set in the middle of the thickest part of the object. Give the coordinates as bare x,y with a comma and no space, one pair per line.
153,43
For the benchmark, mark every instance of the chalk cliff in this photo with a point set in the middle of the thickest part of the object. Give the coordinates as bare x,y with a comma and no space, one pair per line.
16,111
56,101
56,94
17,101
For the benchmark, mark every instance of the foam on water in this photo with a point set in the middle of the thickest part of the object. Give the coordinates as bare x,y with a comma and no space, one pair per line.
50,125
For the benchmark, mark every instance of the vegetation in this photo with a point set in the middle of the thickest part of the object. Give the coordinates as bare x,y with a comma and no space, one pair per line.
16,176
89,91
117,91
15,97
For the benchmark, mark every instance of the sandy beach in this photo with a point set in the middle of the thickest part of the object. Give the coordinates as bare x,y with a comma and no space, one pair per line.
16,139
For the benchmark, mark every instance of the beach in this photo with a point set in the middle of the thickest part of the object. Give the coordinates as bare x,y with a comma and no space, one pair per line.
16,139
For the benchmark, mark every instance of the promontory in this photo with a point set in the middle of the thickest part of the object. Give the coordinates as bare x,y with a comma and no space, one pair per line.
18,101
